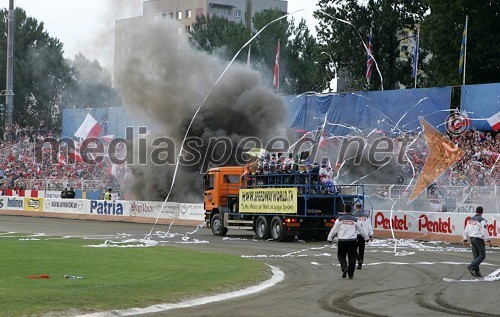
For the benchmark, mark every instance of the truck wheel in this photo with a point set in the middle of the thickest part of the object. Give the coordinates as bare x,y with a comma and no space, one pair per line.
217,226
277,230
262,228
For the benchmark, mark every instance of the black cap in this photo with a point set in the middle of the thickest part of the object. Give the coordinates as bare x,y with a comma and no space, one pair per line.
347,208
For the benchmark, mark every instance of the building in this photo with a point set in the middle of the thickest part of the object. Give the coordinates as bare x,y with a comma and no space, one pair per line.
127,31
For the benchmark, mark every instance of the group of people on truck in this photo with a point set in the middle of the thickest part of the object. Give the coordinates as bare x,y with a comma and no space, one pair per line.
277,169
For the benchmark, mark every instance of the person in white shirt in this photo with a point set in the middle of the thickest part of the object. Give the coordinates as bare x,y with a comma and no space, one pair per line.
477,231
346,228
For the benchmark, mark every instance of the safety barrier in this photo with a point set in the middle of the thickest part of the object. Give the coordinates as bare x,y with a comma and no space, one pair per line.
434,198
379,196
423,225
103,208
418,225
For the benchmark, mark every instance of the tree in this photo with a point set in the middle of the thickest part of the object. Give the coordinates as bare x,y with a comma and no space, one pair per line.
442,31
264,46
305,67
216,34
302,68
91,86
386,18
40,72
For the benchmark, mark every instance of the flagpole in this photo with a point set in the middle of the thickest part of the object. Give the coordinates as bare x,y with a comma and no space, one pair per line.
415,55
465,46
370,60
278,79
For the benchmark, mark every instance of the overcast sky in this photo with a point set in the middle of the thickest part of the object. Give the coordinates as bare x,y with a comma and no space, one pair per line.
88,26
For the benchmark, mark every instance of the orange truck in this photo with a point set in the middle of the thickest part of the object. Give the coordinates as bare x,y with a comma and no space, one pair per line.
278,206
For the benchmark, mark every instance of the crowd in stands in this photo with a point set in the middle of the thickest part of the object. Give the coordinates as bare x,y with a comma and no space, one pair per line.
480,165
26,163
22,165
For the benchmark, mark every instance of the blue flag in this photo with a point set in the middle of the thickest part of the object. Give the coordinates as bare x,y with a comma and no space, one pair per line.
462,50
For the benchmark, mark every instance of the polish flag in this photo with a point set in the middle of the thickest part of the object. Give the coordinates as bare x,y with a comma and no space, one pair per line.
276,77
74,155
494,121
62,160
112,170
89,128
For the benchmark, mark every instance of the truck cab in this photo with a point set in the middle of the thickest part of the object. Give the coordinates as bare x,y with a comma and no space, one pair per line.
221,189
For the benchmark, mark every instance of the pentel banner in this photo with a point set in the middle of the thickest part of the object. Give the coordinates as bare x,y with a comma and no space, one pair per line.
430,222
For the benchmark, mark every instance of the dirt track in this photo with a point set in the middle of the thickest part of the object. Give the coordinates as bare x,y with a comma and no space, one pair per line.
406,283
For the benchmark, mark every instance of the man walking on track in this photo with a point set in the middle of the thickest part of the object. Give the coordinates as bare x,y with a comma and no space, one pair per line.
477,231
365,221
346,227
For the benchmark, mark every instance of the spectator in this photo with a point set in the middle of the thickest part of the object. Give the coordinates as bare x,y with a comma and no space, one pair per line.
71,193
107,195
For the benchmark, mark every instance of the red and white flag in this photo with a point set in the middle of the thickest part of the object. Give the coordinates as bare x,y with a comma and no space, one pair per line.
494,121
112,170
89,128
61,160
369,62
74,155
276,77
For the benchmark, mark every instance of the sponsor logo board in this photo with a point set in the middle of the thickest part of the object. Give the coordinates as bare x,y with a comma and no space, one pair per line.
33,204
192,212
73,206
109,208
431,222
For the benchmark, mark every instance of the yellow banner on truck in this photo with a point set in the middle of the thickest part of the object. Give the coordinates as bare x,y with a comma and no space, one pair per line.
268,200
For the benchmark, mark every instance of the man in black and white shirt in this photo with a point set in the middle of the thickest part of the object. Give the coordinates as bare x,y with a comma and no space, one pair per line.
346,228
365,221
477,230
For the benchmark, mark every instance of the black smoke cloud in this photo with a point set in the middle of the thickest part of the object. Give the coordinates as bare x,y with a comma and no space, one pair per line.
167,82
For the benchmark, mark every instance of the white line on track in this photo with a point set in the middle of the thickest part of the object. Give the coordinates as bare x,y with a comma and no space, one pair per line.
278,276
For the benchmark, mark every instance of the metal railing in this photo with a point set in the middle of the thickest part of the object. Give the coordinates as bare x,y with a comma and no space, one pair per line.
434,198
60,184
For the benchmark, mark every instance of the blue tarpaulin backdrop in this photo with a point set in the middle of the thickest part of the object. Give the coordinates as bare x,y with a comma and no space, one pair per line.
346,113
481,102
351,113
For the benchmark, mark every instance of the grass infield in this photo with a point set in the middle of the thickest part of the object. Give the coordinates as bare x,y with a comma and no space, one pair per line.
113,278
